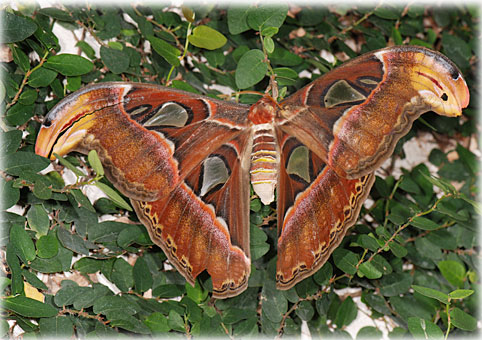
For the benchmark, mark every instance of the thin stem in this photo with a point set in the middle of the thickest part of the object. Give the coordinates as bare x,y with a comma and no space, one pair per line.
449,323
395,187
25,79
186,46
358,22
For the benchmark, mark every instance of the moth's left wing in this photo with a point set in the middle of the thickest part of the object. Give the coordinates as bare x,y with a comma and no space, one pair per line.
204,223
180,157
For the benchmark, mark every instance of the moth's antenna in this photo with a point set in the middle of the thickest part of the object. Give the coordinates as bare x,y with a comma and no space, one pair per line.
273,86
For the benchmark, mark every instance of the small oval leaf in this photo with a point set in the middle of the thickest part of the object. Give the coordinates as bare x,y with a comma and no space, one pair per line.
207,37
251,69
69,64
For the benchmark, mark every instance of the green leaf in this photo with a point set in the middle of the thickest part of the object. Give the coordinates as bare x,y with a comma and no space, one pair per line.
443,184
285,76
95,162
305,310
56,13
247,328
369,270
424,223
453,272
266,15
128,236
72,241
22,242
69,165
74,83
469,159
346,313
111,306
269,44
462,320
47,246
107,231
15,270
397,36
86,48
19,114
38,219
377,302
395,284
20,58
461,293
391,12
15,164
251,69
157,323
258,243
3,91
269,32
368,242
116,61
8,193
274,302
397,249
323,276
69,64
71,293
113,195
32,278
369,332
175,321
29,307
59,263
82,200
196,293
345,260
423,329
42,190
28,97
87,265
116,45
58,327
456,49
206,37
165,50
428,249
237,19
122,275
130,323
181,85
11,141
41,77
15,28
234,315
432,293
168,291
142,276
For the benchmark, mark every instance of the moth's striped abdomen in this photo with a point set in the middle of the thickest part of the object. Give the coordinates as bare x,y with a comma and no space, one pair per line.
264,162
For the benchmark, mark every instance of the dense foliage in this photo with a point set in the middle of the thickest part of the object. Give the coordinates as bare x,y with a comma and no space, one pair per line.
413,254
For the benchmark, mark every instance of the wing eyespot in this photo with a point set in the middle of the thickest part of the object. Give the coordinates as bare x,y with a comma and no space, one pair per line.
444,97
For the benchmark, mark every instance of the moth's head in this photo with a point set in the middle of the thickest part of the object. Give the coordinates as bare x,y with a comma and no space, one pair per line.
440,83
63,128
67,124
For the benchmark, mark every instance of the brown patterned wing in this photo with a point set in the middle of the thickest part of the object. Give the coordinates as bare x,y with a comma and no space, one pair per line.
353,116
315,209
180,157
204,224
335,132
